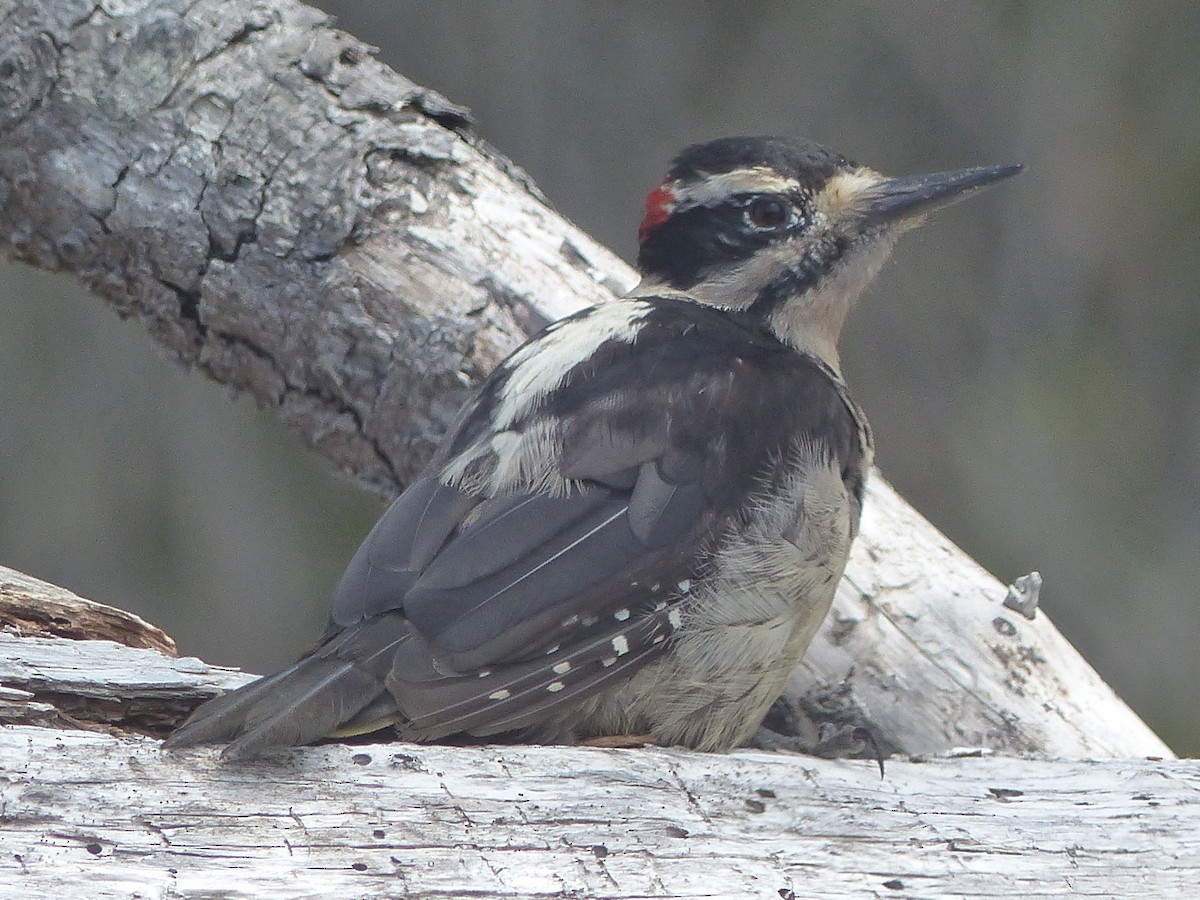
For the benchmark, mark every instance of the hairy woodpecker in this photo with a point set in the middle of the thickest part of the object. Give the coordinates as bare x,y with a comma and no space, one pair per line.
638,521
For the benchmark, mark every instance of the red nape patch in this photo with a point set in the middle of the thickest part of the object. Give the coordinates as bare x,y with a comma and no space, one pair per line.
659,204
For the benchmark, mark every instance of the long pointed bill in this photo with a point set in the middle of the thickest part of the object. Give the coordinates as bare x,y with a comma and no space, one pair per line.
896,199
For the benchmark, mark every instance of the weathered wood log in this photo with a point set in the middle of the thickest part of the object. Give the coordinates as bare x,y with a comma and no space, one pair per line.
91,808
30,606
93,815
70,663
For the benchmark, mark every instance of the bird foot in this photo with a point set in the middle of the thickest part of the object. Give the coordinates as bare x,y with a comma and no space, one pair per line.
835,742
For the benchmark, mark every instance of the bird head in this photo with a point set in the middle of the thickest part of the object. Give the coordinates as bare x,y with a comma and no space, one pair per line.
785,231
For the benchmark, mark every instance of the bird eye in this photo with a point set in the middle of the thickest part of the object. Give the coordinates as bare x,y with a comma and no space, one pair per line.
767,212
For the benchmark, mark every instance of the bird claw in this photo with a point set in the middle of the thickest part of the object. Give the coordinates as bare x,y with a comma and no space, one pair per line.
835,741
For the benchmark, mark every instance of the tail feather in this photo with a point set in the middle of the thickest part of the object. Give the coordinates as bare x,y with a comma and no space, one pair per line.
305,702
222,717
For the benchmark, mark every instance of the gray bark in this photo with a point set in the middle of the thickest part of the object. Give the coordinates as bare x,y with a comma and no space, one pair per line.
93,815
280,211
92,808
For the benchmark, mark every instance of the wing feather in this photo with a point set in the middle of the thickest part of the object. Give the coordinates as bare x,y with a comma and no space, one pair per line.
661,511
520,695
547,574
405,540
503,531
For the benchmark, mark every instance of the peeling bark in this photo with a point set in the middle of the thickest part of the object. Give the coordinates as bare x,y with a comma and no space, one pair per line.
33,608
282,212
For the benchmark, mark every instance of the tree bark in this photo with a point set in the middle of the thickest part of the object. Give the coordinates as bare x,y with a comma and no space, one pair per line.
93,815
90,807
282,212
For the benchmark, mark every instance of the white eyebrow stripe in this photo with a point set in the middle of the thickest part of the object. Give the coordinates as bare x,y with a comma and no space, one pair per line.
715,189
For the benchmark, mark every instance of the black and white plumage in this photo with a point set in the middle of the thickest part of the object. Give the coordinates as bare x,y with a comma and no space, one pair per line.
637,523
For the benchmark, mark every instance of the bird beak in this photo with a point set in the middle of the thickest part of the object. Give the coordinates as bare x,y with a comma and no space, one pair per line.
895,200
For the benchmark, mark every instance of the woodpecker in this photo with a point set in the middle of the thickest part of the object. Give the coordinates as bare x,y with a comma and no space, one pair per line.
637,523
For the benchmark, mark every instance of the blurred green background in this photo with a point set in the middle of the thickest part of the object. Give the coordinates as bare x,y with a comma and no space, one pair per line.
1030,361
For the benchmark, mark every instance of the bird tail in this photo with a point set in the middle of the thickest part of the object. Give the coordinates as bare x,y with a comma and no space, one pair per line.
339,690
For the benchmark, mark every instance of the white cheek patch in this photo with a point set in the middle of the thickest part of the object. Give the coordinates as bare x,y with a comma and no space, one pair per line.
560,349
737,286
